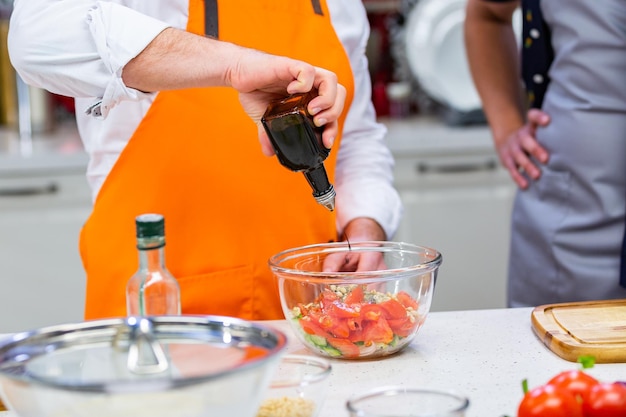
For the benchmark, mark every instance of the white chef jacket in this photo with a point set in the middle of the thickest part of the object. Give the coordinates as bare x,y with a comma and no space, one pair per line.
78,48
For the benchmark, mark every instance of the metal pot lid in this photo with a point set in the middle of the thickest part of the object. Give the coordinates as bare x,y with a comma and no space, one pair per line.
138,353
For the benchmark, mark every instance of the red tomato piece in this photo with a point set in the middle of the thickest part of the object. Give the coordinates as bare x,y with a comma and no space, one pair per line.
324,320
356,336
377,331
346,347
339,328
392,309
326,299
605,400
549,401
575,381
371,312
311,327
356,296
341,310
304,310
354,323
402,327
406,300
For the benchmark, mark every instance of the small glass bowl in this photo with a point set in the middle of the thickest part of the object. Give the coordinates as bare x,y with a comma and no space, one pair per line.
298,388
400,401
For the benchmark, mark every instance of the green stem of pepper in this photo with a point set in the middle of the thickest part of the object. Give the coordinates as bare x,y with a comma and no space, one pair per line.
587,361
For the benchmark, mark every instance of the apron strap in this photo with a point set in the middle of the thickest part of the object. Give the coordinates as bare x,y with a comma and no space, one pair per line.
317,7
211,27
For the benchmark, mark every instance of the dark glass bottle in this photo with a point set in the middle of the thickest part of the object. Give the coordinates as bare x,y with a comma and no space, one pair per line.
298,143
152,290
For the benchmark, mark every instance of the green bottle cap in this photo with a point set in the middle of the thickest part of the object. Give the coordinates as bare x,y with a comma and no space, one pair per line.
150,225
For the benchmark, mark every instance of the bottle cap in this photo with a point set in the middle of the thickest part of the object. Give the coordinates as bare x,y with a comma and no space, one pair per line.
150,225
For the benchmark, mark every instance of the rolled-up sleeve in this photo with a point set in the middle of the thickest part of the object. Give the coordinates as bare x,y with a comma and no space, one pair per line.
78,48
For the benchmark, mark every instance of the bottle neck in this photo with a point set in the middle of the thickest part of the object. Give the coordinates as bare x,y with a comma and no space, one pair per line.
318,180
151,253
323,191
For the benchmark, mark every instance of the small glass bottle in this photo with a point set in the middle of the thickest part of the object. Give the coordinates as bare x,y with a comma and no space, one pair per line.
152,290
298,143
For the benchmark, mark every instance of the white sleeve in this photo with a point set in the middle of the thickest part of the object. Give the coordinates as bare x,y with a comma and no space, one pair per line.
78,48
364,172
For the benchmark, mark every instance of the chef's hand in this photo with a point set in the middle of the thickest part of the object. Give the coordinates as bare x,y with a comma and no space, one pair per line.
176,59
358,230
260,78
519,152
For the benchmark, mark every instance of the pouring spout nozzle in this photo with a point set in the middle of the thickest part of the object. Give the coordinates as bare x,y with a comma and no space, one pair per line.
327,199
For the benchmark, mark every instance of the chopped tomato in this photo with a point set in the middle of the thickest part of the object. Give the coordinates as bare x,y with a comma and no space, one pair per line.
354,323
342,310
356,296
377,331
345,346
312,327
406,300
356,335
327,298
304,310
371,312
392,309
402,327
322,319
334,326
348,319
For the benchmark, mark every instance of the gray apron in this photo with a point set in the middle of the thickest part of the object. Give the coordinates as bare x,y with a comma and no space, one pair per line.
567,228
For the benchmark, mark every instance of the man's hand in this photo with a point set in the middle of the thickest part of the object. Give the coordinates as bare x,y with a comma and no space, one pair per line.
261,78
519,151
358,230
177,59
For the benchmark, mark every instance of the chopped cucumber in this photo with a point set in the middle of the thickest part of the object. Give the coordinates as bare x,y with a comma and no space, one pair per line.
331,351
322,345
316,340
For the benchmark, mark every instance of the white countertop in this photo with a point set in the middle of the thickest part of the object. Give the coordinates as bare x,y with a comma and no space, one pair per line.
484,354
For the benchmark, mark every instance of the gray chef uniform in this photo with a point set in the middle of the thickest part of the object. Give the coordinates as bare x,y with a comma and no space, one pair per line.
568,227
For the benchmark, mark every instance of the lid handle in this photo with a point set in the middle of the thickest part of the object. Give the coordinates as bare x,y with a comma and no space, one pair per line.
145,353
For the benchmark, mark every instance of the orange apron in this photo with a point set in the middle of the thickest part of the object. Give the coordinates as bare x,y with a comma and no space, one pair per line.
195,158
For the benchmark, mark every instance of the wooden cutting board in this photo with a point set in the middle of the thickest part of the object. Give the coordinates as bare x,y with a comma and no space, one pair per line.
571,330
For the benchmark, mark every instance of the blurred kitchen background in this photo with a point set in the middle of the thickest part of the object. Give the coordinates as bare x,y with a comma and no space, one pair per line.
457,197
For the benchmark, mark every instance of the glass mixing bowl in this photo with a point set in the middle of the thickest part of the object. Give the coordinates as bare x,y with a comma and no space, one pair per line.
359,300
158,366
